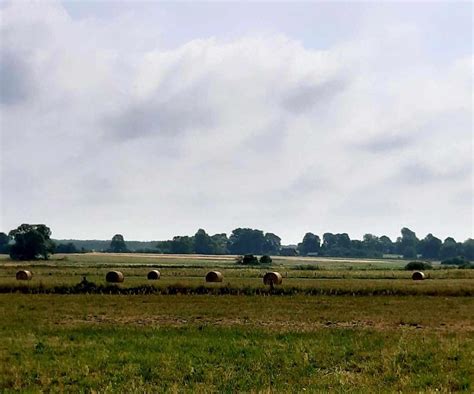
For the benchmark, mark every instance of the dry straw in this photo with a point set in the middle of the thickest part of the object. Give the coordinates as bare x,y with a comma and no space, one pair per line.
114,277
272,278
153,275
214,276
24,275
418,275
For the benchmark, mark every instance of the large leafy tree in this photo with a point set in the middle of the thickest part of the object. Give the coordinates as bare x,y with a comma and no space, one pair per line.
387,245
372,243
311,244
407,244
449,249
219,243
182,245
468,249
336,244
246,241
430,247
32,241
118,245
329,240
202,243
272,244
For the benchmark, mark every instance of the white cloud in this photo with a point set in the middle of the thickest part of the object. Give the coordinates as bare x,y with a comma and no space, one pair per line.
99,137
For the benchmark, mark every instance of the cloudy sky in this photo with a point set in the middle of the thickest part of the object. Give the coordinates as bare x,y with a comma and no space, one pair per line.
155,119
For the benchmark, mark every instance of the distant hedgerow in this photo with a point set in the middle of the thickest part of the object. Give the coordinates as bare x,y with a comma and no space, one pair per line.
455,261
418,265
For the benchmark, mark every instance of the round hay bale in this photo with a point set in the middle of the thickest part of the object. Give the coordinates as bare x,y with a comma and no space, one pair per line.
418,275
214,276
272,278
114,277
24,275
153,275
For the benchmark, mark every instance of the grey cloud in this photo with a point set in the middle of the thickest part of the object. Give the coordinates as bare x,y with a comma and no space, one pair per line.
418,173
97,189
16,82
304,185
386,143
305,97
458,122
162,116
270,139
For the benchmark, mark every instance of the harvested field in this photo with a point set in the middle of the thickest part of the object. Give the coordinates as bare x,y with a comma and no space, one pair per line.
219,343
335,328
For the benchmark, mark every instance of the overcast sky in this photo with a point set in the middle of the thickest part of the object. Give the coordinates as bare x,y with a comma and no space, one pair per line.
156,119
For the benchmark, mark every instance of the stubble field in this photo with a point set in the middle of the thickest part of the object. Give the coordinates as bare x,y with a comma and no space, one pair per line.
342,325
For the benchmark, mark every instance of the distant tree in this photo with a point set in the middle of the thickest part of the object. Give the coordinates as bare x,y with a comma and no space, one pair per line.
118,245
311,244
288,251
359,246
203,243
329,241
372,243
455,261
182,245
407,244
272,244
387,245
337,240
246,240
430,247
343,240
66,248
4,240
409,252
468,249
359,249
219,243
449,249
265,260
32,241
336,245
418,265
164,246
249,259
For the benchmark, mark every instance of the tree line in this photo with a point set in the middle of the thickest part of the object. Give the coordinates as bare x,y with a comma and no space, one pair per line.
33,241
252,241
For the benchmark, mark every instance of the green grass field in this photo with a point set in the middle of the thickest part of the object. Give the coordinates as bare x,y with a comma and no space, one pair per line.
228,343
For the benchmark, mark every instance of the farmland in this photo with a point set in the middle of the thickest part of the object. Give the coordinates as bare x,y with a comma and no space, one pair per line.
337,324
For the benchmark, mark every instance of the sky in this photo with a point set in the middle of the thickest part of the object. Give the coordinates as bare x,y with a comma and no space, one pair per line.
155,119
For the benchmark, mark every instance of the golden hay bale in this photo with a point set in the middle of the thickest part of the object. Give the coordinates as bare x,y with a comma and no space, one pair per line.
272,278
114,277
214,276
24,275
418,275
153,275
